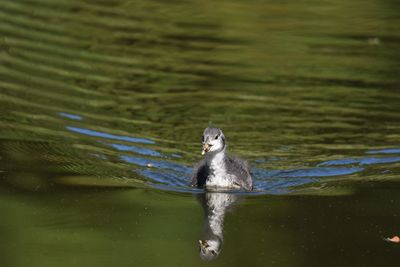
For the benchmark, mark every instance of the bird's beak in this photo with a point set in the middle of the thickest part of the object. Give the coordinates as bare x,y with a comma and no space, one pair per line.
203,243
206,148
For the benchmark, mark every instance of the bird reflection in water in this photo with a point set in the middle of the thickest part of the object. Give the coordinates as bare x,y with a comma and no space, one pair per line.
215,205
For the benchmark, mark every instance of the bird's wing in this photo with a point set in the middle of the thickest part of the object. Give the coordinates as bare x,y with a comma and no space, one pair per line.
199,174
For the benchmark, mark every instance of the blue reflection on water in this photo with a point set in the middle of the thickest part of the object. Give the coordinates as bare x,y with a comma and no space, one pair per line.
281,181
166,177
138,150
70,116
174,176
280,186
361,161
267,181
313,172
110,136
385,151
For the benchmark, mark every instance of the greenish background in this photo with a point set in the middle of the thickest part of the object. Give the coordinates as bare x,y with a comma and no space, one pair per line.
91,92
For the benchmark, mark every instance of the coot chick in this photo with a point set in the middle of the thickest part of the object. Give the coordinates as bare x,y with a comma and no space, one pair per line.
215,206
218,170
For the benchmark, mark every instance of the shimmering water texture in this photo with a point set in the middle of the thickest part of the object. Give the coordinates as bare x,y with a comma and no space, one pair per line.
159,171
102,107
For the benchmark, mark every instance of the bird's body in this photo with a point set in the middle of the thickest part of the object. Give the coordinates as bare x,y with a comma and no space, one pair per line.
215,206
218,170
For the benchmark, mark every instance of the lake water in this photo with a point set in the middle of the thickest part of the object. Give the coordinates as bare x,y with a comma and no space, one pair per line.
102,108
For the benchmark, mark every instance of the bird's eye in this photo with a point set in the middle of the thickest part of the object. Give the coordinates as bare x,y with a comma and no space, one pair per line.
216,137
213,252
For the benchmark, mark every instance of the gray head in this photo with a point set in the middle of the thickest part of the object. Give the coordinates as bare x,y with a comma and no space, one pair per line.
213,140
210,249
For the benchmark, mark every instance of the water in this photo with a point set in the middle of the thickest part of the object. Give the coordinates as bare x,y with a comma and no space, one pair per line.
102,106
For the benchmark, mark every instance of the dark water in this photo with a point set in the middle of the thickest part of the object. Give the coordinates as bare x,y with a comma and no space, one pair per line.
102,106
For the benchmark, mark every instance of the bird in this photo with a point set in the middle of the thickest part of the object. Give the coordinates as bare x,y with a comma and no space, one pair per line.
215,206
217,169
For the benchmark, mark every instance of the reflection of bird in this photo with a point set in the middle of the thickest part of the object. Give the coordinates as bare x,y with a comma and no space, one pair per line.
219,169
215,206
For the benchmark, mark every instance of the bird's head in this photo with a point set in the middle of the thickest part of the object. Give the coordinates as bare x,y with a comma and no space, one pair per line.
209,249
213,140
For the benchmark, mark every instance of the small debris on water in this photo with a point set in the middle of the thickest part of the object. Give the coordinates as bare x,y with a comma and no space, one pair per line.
374,41
149,165
394,239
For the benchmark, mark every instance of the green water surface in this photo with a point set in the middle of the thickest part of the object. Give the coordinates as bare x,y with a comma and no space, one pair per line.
102,107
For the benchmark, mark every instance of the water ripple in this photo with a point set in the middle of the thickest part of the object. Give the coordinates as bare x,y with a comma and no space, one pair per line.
70,116
110,136
156,164
167,178
385,151
138,150
301,173
361,161
174,175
